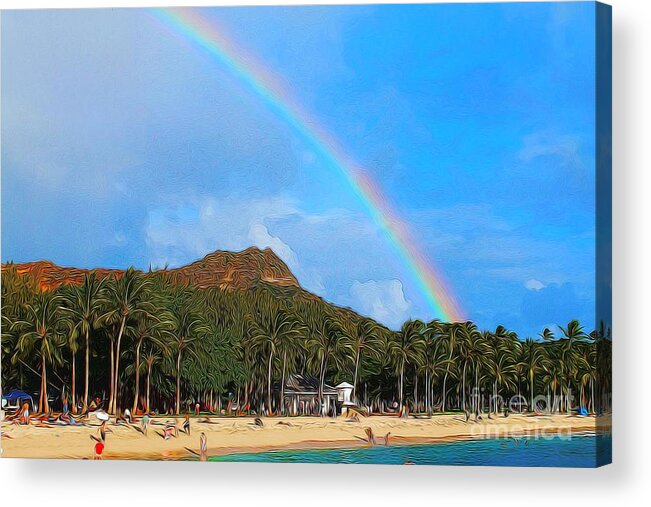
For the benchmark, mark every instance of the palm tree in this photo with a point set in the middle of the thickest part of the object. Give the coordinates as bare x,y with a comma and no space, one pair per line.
290,348
149,329
450,334
151,356
273,330
73,347
502,373
552,379
589,374
363,337
535,360
186,328
547,335
468,353
84,304
407,348
325,342
127,299
502,367
43,330
572,333
483,360
435,361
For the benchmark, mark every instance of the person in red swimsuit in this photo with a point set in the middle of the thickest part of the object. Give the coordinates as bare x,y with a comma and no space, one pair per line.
99,449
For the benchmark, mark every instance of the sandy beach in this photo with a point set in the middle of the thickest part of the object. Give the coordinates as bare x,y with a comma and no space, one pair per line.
235,435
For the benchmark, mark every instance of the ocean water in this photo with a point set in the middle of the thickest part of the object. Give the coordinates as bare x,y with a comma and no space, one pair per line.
579,451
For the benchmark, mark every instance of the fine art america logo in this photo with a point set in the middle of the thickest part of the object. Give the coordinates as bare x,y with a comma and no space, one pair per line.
495,426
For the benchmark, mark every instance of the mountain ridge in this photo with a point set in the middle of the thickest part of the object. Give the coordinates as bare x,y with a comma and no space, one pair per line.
245,269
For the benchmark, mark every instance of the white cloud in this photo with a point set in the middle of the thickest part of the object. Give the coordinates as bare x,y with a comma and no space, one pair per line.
187,229
534,284
260,237
564,148
184,231
383,300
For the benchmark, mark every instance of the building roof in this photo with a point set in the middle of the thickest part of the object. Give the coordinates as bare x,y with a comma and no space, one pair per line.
304,384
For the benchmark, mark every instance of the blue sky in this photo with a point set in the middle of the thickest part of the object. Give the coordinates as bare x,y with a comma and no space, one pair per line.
124,145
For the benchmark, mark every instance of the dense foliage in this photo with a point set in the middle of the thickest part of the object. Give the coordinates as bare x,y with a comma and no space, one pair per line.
142,343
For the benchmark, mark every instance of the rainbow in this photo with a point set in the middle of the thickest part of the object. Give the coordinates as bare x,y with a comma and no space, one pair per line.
208,37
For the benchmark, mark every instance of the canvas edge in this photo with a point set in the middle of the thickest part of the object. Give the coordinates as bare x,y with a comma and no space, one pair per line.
603,209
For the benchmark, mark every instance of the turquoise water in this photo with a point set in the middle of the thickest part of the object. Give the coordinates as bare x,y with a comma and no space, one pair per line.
582,451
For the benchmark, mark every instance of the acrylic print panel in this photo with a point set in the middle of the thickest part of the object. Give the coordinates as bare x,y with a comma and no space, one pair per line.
340,234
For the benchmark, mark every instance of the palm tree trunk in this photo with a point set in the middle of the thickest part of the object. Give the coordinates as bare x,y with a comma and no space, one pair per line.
148,406
445,381
478,398
428,406
137,386
271,358
495,395
117,366
246,395
445,378
45,404
73,386
282,384
178,381
321,384
355,375
86,374
112,372
402,386
531,396
463,386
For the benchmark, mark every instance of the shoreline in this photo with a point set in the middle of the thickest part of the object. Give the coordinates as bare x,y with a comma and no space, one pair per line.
240,435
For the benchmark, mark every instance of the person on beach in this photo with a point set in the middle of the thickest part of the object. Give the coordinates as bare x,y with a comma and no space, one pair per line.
94,405
24,414
127,415
102,435
186,424
65,404
169,430
21,416
66,419
144,424
102,431
99,449
46,420
121,417
203,447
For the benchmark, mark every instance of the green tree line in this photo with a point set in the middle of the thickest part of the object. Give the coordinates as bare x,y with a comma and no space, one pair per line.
142,343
